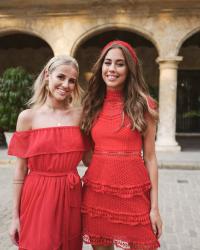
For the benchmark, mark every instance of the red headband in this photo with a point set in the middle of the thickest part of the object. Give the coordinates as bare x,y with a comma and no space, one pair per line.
124,44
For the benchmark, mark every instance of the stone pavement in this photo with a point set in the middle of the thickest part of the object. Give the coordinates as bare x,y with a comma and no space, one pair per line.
179,205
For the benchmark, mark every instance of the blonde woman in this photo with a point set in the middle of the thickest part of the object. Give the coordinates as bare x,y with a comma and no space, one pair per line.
49,145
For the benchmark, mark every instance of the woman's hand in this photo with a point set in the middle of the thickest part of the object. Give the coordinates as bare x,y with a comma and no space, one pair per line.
14,231
156,222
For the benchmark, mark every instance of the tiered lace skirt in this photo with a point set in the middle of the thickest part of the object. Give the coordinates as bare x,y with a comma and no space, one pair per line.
116,202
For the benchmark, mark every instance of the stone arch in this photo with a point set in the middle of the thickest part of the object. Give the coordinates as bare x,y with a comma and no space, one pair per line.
33,46
11,30
88,46
185,37
106,27
188,91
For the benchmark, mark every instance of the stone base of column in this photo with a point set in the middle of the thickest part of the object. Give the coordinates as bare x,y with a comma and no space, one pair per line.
168,147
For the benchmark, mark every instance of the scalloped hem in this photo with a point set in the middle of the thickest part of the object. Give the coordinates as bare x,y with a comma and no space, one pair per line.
107,241
123,218
121,191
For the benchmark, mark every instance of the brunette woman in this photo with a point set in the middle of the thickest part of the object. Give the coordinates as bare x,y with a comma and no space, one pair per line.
120,195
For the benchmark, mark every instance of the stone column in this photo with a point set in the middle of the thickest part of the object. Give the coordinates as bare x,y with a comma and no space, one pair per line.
167,104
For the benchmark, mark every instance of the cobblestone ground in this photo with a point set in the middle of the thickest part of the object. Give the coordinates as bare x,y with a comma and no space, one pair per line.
179,205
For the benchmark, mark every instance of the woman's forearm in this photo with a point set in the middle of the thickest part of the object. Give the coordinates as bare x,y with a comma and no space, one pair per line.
153,174
18,181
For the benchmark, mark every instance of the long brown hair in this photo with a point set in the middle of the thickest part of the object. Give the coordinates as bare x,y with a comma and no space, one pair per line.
135,93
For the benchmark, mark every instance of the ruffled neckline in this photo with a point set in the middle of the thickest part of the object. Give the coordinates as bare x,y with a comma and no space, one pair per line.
47,128
114,96
49,140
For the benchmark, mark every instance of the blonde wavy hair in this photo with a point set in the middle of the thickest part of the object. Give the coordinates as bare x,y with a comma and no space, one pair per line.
40,86
137,100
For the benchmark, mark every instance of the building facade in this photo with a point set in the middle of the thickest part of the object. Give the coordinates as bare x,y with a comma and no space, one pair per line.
165,34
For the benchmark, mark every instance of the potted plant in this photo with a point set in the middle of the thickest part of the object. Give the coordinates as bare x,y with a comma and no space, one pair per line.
15,91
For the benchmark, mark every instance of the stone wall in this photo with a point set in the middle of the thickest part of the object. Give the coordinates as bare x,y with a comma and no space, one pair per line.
67,25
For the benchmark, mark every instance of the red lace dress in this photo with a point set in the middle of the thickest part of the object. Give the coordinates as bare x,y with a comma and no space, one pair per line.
51,195
116,192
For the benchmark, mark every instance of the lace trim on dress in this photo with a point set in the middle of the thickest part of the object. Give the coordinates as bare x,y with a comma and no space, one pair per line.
121,191
118,153
124,218
106,241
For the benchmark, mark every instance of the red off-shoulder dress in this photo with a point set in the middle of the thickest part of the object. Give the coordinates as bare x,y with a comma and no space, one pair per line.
116,192
51,195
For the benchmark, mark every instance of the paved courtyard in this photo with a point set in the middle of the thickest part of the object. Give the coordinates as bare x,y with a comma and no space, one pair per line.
179,204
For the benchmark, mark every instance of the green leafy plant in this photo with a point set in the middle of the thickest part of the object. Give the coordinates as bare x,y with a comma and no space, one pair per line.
15,90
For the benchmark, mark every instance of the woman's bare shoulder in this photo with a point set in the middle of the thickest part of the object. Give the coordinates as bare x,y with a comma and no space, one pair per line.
25,118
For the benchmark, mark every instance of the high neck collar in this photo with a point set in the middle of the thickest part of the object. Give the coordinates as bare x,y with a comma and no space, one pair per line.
114,95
